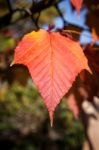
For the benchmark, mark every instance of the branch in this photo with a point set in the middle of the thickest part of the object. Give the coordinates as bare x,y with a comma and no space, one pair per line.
36,8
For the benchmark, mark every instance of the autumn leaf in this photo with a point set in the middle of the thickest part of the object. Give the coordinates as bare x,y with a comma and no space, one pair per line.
77,4
53,61
95,37
73,105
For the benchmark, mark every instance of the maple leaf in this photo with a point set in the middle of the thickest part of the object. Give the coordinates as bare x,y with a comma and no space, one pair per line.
53,61
77,4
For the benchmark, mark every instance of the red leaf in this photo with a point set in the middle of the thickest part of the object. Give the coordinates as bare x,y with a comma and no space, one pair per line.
77,4
73,105
53,61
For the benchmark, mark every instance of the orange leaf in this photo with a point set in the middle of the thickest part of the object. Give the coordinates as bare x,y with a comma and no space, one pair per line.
94,36
77,4
54,61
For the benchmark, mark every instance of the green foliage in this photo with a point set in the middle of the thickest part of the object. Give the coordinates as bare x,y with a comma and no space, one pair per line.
17,99
22,108
6,43
48,16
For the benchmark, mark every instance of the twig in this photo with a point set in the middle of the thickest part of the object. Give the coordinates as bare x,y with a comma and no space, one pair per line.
9,6
76,32
60,14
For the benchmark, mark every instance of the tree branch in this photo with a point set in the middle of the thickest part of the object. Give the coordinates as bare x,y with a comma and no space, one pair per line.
36,8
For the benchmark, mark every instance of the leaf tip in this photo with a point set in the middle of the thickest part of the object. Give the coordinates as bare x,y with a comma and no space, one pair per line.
90,71
51,114
12,63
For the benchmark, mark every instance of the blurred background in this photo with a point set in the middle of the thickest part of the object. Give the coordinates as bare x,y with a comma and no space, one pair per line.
24,120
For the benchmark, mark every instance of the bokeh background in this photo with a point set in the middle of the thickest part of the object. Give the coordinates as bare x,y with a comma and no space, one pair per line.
24,120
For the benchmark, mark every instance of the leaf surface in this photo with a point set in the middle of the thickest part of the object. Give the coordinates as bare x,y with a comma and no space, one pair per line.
77,4
53,61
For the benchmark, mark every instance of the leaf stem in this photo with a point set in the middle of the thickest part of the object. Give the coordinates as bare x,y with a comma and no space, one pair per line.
76,32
